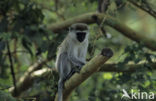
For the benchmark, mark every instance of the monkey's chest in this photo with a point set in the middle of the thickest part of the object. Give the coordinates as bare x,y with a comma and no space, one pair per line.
77,51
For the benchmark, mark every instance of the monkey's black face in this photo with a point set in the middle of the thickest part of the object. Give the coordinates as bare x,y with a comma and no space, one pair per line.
80,36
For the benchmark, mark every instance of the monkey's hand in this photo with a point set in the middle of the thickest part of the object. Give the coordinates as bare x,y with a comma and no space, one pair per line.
78,68
76,62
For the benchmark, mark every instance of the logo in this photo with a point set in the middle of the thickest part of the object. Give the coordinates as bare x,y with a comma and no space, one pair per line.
137,95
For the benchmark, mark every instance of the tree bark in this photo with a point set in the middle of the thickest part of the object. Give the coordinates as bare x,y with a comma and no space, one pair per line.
89,18
149,11
112,67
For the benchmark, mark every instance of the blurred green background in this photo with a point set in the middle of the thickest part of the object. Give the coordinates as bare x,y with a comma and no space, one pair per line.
25,40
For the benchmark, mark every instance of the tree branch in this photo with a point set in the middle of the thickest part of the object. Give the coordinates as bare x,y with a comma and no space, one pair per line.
89,19
26,80
147,10
12,68
108,67
128,67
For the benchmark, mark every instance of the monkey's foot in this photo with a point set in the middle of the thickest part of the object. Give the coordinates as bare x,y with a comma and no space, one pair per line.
70,74
77,69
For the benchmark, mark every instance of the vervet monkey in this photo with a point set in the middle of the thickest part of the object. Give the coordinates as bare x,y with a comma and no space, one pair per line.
71,54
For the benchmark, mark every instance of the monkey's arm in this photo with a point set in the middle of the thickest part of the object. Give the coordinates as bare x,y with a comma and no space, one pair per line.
75,61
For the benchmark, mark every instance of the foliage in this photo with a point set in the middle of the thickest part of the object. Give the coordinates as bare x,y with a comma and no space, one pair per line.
6,97
23,24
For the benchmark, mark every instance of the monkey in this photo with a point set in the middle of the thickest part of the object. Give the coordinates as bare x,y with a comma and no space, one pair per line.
71,54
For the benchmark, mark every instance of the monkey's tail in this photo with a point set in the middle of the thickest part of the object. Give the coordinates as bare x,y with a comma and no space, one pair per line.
60,90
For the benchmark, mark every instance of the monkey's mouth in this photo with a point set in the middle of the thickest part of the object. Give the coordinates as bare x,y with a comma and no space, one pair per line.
80,36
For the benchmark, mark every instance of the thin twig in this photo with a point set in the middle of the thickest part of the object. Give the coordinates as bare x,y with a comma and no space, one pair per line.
11,66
